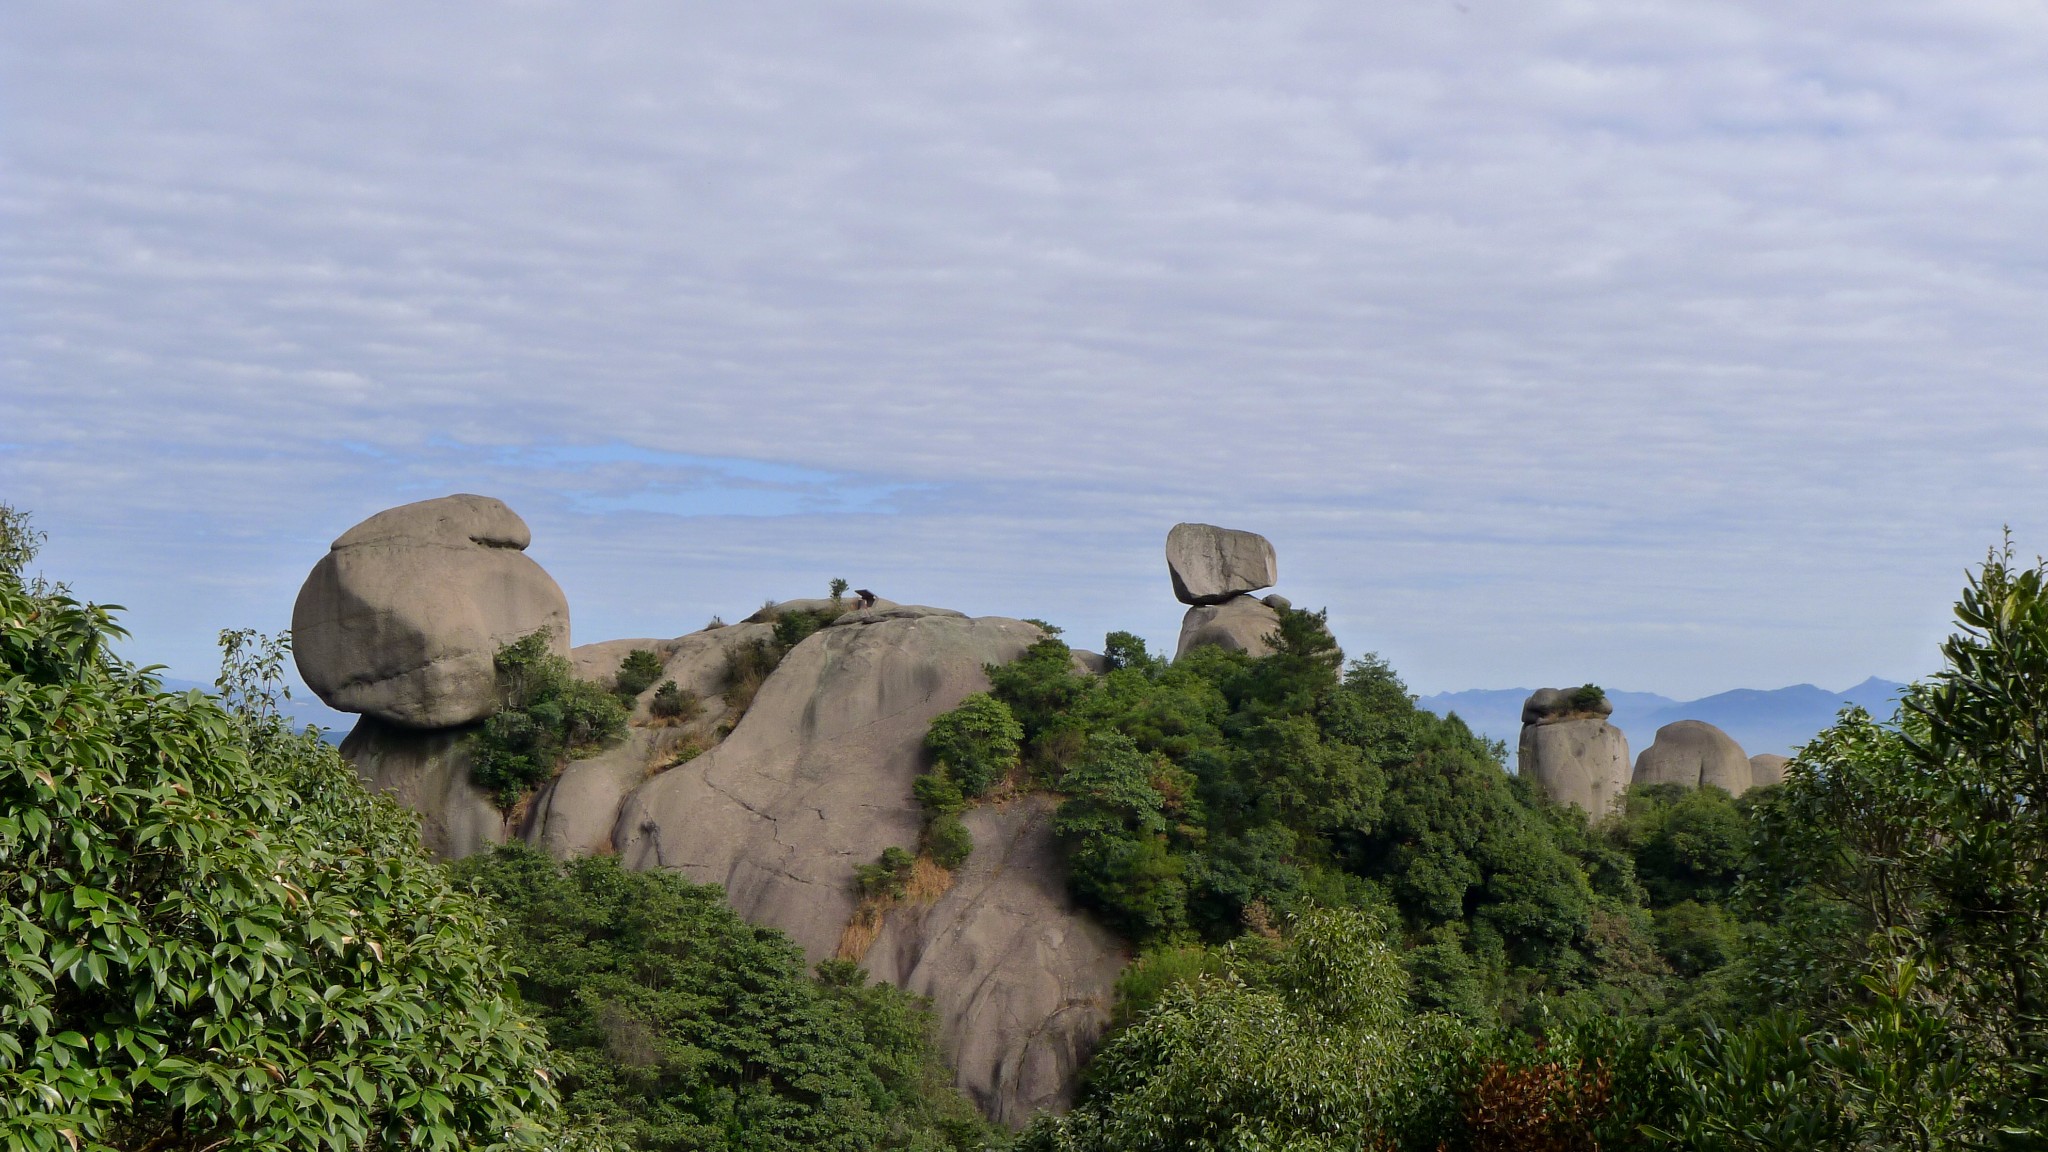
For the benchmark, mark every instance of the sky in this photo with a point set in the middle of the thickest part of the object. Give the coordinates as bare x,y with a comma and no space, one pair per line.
1674,347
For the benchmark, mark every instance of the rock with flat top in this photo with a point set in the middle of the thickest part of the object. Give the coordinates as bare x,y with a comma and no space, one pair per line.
1240,624
1694,754
1210,565
403,618
1570,750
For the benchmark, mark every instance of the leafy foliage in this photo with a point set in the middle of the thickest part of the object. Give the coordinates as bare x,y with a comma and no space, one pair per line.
677,1025
976,743
546,716
674,703
637,672
214,936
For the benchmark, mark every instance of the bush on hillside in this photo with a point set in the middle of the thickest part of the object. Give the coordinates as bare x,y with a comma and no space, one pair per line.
215,937
640,669
545,716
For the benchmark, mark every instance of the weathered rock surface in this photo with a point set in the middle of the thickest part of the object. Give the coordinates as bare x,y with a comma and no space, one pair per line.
1692,754
1240,624
770,613
429,773
1019,977
1572,752
816,779
1767,769
402,618
1210,565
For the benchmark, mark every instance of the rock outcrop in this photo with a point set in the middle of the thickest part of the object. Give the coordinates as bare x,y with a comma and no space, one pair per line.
401,620
1693,754
1572,752
428,772
1021,979
1767,770
1240,624
816,779
1210,565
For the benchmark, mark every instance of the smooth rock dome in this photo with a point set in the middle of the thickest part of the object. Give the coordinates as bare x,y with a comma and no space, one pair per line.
1767,769
1240,624
402,619
1693,754
1210,565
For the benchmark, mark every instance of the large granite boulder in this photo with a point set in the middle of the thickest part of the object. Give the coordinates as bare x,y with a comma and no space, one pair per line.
816,779
1240,624
1210,565
1572,752
429,773
1693,754
1020,978
402,619
1767,770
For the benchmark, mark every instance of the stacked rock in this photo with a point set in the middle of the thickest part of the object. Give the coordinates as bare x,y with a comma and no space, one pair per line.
1694,754
1214,571
1571,751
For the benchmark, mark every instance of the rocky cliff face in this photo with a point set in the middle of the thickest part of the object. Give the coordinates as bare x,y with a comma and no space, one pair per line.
814,779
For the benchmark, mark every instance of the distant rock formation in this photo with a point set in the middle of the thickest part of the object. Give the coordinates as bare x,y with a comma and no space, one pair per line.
1693,754
1210,565
1767,769
403,617
1215,570
1572,752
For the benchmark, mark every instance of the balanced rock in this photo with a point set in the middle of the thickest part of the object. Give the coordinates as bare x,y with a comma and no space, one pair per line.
1693,754
1210,565
1240,624
428,772
404,616
1767,770
816,779
1572,752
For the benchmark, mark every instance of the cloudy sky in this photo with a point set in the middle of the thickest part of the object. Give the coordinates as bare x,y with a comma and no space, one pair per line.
1678,347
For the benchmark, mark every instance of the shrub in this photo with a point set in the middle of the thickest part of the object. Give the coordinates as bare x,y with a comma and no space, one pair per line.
546,716
674,703
640,668
747,667
887,877
947,841
1587,697
216,937
976,742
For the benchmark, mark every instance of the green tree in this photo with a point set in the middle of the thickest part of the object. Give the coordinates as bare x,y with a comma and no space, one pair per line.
214,936
1114,825
976,743
546,715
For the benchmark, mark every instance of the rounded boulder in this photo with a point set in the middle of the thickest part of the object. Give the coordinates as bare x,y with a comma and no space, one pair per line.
1694,754
1210,565
404,616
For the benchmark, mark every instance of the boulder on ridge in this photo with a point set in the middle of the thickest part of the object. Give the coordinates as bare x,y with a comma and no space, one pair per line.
1693,754
1767,769
403,618
1240,624
1210,565
1572,752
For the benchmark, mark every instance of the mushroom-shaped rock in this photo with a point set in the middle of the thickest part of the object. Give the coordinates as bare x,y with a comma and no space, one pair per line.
1240,624
1767,769
816,779
1210,565
403,618
1572,752
1693,754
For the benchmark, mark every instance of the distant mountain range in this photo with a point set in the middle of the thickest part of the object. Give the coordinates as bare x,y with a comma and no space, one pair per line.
1774,720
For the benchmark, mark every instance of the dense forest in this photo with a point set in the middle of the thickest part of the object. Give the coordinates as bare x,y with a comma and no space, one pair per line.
1351,927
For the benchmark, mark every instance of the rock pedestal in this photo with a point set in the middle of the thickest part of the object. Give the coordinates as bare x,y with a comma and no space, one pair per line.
1240,624
403,618
1693,754
1572,752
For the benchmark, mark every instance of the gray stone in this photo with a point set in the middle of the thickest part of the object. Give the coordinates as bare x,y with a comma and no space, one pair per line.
1240,624
1277,602
1089,663
403,617
1767,770
1553,705
428,772
1210,565
1693,754
770,613
1579,762
1020,979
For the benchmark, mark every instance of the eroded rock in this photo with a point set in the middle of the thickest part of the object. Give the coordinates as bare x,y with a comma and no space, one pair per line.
1579,760
1210,565
1692,754
1240,624
404,616
429,773
1767,770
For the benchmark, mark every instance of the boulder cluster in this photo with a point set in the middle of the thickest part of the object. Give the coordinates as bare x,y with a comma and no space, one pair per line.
1215,571
1580,760
777,798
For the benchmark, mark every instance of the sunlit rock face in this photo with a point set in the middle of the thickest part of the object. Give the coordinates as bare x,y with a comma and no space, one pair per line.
1572,752
1693,754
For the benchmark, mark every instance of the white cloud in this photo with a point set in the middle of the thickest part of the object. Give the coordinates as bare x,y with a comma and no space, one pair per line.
1679,347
